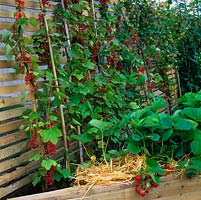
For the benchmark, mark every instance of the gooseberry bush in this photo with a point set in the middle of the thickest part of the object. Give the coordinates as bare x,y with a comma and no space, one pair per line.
92,71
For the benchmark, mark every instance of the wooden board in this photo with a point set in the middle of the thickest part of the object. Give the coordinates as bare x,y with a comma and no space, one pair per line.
11,101
11,77
13,113
28,4
13,89
11,14
13,137
23,170
10,126
12,150
14,186
13,162
170,188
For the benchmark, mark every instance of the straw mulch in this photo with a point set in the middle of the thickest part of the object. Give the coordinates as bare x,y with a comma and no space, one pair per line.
122,169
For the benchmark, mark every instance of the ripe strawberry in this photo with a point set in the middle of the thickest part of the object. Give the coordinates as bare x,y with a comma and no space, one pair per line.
138,189
142,193
138,179
154,184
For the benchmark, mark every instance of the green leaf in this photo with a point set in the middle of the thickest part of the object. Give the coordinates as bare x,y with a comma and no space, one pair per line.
153,166
185,124
75,52
158,104
9,53
35,158
33,21
136,137
193,113
5,35
165,121
154,137
196,147
133,105
150,121
89,65
134,149
47,164
22,21
51,135
36,180
166,134
83,138
99,124
66,173
75,122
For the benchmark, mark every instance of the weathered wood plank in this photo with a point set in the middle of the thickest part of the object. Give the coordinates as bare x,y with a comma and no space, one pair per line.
13,113
13,187
13,89
6,64
13,137
11,77
28,4
8,26
12,163
170,187
11,14
10,101
10,126
183,196
21,171
12,150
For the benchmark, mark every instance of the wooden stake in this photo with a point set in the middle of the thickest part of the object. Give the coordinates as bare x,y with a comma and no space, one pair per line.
68,49
57,89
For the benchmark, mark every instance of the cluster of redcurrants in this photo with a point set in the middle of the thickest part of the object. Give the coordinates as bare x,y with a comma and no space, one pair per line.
49,179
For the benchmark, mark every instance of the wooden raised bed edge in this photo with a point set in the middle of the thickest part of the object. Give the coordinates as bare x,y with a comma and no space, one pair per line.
170,188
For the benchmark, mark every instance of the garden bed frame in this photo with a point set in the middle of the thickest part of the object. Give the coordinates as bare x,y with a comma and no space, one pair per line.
171,187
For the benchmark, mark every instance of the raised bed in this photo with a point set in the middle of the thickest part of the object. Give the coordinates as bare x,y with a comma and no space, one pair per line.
170,188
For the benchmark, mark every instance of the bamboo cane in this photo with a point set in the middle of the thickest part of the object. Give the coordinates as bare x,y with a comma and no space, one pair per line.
68,49
57,87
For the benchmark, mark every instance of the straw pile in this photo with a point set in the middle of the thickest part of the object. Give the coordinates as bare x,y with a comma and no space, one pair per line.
122,169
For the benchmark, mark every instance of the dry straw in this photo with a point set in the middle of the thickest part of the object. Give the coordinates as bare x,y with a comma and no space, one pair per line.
122,169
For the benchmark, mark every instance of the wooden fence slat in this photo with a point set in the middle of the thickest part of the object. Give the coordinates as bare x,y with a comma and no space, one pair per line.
8,26
12,150
21,171
13,187
6,64
13,89
10,126
11,77
13,113
28,4
11,14
13,137
10,101
11,163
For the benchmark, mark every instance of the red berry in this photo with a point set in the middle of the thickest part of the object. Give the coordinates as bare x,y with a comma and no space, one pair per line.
142,193
171,167
138,189
138,179
154,184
